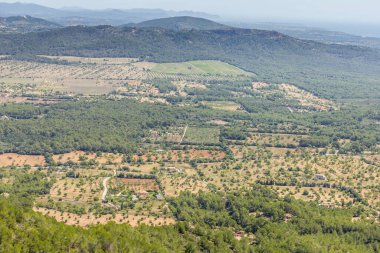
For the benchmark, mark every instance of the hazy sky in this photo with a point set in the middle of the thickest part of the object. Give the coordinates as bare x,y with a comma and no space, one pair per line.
353,11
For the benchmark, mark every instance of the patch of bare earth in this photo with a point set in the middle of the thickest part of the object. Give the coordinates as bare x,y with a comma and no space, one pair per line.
218,122
259,85
10,159
78,156
307,99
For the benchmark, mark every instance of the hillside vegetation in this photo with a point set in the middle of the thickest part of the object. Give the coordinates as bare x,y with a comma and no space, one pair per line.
180,139
332,71
25,24
206,224
182,23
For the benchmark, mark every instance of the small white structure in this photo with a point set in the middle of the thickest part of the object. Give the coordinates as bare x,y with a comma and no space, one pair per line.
4,118
173,170
320,177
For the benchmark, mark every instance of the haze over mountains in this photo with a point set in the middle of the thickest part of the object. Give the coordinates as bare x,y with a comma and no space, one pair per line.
25,24
141,18
315,33
77,16
182,23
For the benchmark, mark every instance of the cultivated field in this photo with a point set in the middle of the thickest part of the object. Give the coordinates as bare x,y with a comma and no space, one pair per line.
216,68
223,105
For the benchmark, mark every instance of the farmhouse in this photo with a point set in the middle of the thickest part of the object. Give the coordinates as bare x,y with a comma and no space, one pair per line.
173,170
320,177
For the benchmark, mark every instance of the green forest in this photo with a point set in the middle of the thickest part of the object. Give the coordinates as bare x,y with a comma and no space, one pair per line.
120,126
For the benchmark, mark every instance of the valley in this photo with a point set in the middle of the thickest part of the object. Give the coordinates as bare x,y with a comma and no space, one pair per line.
110,142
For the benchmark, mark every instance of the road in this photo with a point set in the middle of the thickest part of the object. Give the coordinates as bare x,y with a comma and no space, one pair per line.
104,196
105,191
184,133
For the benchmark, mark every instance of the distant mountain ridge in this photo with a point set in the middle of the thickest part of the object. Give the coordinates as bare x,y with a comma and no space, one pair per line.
25,24
79,16
315,34
326,70
182,23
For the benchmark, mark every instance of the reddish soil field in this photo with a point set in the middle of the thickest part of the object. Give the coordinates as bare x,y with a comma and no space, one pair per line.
136,184
76,156
7,160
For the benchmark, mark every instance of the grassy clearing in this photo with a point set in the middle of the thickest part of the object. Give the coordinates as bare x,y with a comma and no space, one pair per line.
223,105
202,135
200,68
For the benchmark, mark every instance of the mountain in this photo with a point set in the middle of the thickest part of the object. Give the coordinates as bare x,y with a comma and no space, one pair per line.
332,37
182,23
316,34
22,9
79,16
328,70
25,24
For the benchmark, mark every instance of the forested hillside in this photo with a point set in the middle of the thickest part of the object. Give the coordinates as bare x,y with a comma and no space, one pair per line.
333,71
207,222
182,23
25,24
121,126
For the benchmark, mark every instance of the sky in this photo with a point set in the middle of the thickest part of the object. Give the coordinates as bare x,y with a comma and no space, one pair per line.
340,11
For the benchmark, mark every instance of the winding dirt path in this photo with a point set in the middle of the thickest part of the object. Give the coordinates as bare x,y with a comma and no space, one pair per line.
105,191
184,133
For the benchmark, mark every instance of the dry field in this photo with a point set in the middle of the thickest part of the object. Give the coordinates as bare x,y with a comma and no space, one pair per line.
80,156
77,191
373,159
245,151
135,184
86,192
7,160
87,220
96,76
324,196
107,159
57,72
259,85
179,155
261,164
88,79
307,99
296,168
